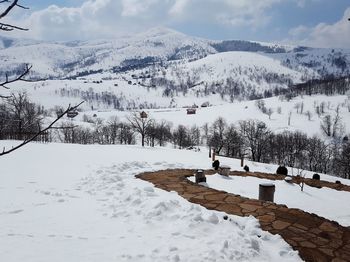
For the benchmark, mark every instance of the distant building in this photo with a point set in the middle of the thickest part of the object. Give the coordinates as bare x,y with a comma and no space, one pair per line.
143,114
205,104
191,111
72,114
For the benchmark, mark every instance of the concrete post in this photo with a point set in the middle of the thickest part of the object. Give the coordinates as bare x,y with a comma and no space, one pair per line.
200,176
266,192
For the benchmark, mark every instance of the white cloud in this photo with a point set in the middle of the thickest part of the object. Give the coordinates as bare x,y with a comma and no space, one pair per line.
137,7
299,32
109,18
179,7
324,35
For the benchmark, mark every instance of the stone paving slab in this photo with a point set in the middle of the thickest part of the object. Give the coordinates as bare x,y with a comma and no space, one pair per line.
315,238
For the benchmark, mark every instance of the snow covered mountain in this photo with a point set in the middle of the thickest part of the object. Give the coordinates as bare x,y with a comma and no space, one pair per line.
160,46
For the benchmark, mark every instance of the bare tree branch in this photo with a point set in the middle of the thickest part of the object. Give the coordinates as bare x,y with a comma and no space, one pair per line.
8,9
26,141
18,78
8,27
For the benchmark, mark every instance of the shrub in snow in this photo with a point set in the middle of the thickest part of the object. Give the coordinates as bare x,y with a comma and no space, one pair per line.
337,182
282,170
246,168
216,164
316,177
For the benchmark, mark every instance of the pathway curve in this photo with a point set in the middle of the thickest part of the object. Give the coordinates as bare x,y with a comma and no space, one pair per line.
316,238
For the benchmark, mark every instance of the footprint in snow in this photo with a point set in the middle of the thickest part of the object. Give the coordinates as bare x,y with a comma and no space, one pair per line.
83,238
40,204
16,211
102,199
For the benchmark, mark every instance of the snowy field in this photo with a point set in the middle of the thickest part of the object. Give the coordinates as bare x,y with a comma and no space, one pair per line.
45,94
65,202
325,202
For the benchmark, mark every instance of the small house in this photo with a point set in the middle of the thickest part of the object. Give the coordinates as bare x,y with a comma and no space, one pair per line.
72,114
143,114
205,104
191,111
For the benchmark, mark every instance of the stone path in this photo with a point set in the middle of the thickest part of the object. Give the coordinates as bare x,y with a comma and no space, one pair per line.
316,238
308,181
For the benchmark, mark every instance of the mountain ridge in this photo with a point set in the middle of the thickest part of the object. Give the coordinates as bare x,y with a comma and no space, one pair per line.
159,46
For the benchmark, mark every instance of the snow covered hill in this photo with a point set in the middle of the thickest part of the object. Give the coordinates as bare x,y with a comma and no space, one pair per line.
159,46
56,93
53,59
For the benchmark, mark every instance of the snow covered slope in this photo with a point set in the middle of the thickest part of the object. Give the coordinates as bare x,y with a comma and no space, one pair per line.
131,97
158,45
83,203
69,58
255,71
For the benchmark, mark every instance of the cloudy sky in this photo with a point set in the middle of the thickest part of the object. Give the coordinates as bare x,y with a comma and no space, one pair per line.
321,23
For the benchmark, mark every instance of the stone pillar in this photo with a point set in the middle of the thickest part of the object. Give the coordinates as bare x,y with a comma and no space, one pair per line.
266,192
200,176
224,170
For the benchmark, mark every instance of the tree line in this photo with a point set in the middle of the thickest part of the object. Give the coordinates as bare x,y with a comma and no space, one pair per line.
328,86
21,119
251,139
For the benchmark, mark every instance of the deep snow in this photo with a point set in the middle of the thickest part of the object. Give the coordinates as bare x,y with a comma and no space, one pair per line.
82,203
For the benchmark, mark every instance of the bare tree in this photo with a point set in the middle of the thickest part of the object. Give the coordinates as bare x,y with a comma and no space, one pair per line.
309,115
344,161
255,134
322,107
217,131
10,5
301,107
332,126
326,125
26,141
289,117
337,123
269,112
347,103
181,137
140,125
